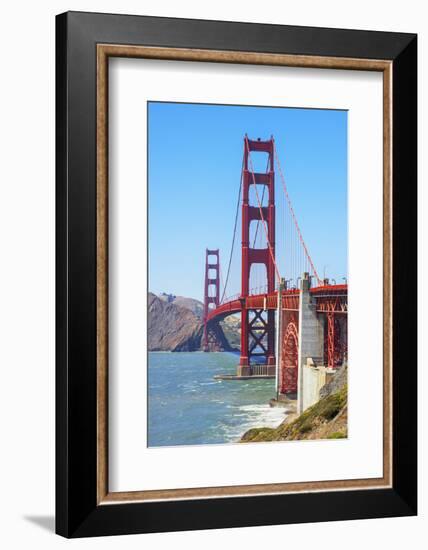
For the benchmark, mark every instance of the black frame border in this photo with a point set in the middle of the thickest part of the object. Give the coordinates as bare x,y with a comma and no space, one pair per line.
77,513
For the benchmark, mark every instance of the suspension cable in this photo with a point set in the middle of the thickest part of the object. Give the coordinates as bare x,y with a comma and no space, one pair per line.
234,233
293,214
221,278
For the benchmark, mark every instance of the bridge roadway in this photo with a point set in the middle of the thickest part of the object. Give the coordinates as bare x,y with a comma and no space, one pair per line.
328,298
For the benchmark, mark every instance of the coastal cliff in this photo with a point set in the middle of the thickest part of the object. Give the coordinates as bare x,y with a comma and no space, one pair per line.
175,324
172,327
327,419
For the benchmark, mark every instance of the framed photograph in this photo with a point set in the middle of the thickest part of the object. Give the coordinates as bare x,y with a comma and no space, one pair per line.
236,274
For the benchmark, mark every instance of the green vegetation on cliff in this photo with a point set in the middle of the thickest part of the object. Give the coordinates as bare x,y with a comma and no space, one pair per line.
327,419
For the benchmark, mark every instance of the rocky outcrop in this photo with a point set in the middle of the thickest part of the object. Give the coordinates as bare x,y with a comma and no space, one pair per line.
195,306
232,330
175,324
172,327
327,419
336,383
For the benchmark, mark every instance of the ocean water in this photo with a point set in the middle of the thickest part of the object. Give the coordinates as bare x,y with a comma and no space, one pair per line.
186,406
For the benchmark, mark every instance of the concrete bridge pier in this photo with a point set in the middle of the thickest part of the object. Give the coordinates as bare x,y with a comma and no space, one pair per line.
311,336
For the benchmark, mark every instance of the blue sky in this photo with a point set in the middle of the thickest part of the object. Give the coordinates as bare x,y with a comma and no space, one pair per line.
195,157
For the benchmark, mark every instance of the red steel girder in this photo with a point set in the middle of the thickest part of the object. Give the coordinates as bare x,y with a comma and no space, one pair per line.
258,330
335,341
290,354
329,298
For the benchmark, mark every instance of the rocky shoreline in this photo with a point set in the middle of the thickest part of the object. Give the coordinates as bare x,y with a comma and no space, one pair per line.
327,419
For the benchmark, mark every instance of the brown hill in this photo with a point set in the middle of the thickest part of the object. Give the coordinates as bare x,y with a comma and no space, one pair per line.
232,330
172,327
195,306
175,324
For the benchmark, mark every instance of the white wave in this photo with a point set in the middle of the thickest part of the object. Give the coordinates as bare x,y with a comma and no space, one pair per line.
264,415
254,416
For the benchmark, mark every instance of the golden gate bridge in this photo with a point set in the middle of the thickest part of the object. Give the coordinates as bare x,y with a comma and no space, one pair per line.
284,322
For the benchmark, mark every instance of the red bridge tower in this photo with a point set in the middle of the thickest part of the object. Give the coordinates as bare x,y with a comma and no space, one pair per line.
211,295
257,326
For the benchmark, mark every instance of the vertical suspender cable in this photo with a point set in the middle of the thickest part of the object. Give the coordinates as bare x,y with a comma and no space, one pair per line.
293,215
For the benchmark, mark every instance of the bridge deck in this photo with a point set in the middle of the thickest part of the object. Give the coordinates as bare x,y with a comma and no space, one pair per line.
326,297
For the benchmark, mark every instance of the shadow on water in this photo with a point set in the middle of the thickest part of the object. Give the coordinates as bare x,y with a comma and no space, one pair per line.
45,522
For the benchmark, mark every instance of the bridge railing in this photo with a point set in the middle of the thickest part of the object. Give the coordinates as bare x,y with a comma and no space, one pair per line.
260,370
